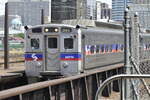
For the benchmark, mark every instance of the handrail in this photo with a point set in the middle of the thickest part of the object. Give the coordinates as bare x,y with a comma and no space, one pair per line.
118,77
37,86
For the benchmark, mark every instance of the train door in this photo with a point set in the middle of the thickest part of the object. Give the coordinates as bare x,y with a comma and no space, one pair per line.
52,53
71,56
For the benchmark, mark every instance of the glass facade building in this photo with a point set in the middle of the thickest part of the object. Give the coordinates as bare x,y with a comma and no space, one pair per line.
54,10
29,10
142,7
91,9
63,10
118,7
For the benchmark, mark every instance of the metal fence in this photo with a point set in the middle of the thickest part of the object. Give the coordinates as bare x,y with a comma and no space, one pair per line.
143,96
79,87
136,59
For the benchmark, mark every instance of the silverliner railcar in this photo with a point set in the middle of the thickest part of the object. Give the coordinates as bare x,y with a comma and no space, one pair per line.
66,50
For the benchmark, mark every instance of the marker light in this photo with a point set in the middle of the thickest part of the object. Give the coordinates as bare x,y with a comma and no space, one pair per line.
46,30
56,30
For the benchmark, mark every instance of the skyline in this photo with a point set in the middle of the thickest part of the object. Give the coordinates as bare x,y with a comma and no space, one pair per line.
2,5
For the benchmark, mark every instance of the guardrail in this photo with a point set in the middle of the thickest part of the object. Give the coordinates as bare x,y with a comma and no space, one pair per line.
119,77
79,87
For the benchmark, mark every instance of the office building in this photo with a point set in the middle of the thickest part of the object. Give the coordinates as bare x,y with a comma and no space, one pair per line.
105,11
98,10
91,9
118,7
63,10
142,7
86,9
54,10
30,10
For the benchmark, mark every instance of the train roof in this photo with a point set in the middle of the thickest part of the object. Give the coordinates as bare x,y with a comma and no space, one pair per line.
93,23
52,25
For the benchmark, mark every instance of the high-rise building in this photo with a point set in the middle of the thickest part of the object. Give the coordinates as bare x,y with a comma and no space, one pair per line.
30,10
54,10
91,9
98,10
141,1
63,10
118,7
105,11
142,7
86,9
81,9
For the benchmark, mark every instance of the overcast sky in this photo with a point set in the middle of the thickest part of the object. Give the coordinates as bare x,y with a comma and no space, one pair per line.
2,7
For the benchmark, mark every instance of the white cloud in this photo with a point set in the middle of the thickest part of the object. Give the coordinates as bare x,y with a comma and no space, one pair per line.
2,6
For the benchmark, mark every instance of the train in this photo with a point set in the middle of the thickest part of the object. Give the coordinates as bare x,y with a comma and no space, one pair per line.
66,50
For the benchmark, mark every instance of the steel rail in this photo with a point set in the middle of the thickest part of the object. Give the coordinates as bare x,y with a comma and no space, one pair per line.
36,86
118,77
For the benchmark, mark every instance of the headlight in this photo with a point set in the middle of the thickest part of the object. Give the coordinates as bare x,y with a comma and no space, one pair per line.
65,64
38,64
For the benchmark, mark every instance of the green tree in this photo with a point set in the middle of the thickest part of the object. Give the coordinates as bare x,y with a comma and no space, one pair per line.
21,35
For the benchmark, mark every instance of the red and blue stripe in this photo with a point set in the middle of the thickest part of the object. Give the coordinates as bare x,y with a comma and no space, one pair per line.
29,57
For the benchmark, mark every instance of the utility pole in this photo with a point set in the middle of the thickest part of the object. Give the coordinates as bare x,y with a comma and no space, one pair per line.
6,32
126,84
42,16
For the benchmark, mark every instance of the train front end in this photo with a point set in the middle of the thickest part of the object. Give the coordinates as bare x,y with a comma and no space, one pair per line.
53,50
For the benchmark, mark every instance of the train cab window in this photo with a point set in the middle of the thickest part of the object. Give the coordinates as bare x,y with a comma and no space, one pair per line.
37,30
68,43
52,43
35,43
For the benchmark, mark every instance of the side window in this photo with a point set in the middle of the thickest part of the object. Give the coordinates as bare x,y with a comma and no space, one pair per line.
146,46
68,43
35,43
110,48
102,48
113,48
52,43
107,48
122,47
92,49
116,47
97,48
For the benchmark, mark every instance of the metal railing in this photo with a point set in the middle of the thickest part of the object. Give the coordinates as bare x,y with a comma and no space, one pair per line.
83,86
118,77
